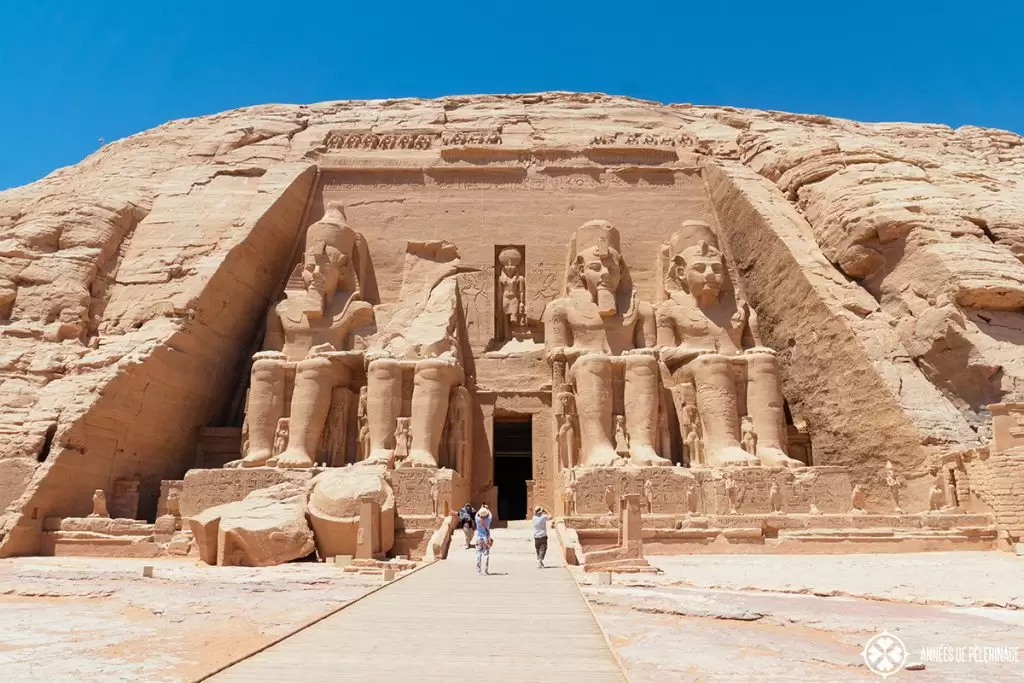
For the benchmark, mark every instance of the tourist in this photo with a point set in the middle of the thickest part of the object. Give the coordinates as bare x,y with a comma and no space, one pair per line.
466,516
540,534
483,540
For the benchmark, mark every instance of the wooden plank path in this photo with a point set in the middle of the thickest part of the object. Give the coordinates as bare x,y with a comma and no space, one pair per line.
445,623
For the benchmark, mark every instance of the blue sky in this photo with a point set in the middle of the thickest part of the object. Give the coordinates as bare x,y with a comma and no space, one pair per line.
72,72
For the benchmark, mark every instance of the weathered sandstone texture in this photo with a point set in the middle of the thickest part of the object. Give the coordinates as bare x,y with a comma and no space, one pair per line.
267,527
868,288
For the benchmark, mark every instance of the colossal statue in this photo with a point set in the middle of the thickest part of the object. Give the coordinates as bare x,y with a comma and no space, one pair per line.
323,305
703,335
419,342
603,332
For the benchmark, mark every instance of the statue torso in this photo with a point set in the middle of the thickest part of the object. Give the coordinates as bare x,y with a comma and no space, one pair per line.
592,331
301,334
719,328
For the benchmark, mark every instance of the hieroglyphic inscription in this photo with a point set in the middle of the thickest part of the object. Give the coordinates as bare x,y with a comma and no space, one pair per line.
828,488
203,489
668,487
412,487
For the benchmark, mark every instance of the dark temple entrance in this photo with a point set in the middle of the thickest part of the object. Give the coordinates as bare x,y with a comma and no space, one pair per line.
513,465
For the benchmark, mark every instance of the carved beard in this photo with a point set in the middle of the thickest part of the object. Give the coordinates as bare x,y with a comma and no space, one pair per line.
607,306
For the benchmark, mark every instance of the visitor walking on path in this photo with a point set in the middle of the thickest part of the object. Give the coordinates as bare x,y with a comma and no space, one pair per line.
483,540
540,534
466,517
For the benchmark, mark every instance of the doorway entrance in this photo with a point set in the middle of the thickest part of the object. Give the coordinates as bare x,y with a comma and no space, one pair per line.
513,465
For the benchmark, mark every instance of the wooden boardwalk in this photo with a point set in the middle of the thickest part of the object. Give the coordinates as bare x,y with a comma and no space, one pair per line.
445,623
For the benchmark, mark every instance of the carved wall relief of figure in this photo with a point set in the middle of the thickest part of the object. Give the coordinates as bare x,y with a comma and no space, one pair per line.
649,496
323,306
611,500
702,330
775,497
733,495
603,330
511,292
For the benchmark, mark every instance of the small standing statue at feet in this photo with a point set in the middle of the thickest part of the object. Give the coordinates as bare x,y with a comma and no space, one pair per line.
99,504
621,437
281,436
435,491
775,497
402,439
894,484
749,439
857,500
512,294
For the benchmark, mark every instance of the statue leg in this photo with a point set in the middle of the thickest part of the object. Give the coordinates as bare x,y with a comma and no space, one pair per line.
716,403
592,376
641,398
266,407
311,401
764,405
383,406
431,389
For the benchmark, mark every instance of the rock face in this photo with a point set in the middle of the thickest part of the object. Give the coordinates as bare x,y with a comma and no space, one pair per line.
883,262
267,528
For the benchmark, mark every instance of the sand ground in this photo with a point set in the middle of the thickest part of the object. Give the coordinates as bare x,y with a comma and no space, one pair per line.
807,618
84,619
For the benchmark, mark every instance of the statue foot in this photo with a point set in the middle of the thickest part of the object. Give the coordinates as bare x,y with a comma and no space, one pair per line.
603,456
419,459
773,457
255,459
293,459
731,456
644,456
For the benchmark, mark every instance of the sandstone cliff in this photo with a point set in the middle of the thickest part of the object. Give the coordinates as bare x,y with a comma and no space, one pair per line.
883,260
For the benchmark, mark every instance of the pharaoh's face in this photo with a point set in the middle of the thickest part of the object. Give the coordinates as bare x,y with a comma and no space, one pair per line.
600,272
325,269
701,274
510,270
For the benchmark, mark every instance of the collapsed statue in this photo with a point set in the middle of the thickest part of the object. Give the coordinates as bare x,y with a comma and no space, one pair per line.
323,305
602,331
704,336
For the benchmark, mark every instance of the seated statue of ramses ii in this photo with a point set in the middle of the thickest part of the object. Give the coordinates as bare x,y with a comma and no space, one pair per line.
603,331
304,334
702,332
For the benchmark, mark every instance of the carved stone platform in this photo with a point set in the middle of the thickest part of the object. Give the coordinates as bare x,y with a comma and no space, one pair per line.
204,489
705,490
